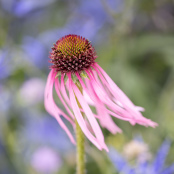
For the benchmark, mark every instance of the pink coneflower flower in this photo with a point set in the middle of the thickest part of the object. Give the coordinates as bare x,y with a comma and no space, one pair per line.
74,65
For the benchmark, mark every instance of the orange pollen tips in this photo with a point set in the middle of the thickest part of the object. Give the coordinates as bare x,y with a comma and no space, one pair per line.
72,53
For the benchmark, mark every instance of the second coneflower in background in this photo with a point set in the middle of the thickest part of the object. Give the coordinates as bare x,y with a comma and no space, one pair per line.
80,84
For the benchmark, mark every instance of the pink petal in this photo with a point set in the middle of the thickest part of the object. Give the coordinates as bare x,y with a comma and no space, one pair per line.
104,117
57,87
125,101
79,116
88,99
139,108
105,99
89,115
63,90
113,86
51,106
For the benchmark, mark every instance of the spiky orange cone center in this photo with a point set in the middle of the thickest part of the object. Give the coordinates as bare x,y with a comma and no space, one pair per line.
72,53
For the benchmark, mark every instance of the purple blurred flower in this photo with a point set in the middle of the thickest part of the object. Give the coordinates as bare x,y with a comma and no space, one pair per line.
156,167
45,160
32,91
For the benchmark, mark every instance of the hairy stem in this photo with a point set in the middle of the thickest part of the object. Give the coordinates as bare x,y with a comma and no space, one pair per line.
80,138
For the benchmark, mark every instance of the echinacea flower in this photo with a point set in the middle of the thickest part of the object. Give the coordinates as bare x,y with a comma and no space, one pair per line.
73,59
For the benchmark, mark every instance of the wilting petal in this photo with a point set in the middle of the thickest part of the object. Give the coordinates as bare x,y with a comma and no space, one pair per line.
117,98
113,86
90,116
125,101
80,118
105,119
87,98
51,106
63,90
105,99
92,96
139,108
57,87
103,116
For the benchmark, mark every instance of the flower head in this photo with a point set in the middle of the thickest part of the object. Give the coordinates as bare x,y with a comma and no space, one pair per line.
72,53
74,57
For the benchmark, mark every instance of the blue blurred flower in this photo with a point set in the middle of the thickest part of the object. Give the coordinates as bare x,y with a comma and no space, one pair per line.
5,69
93,8
116,5
5,100
35,51
40,129
87,18
23,7
156,167
6,165
10,60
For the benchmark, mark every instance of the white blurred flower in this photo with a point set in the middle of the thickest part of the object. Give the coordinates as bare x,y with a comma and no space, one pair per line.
136,150
45,160
32,91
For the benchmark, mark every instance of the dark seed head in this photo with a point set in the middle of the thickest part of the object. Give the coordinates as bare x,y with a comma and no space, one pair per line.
72,53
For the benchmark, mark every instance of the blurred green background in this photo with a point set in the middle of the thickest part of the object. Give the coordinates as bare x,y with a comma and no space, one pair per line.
134,41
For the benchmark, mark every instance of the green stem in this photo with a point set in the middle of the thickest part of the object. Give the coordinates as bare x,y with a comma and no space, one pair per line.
80,150
80,139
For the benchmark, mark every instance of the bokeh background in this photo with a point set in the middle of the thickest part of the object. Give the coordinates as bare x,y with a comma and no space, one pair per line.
134,41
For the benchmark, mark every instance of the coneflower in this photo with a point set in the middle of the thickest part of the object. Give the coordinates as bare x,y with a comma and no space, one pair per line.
81,84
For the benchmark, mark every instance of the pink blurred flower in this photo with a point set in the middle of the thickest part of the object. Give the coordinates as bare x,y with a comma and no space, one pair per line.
74,57
45,160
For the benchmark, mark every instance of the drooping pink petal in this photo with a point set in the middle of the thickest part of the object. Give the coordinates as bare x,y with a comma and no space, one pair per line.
120,96
114,86
51,106
113,104
117,92
103,116
80,118
105,99
88,99
108,111
63,90
139,108
88,113
57,87
105,119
